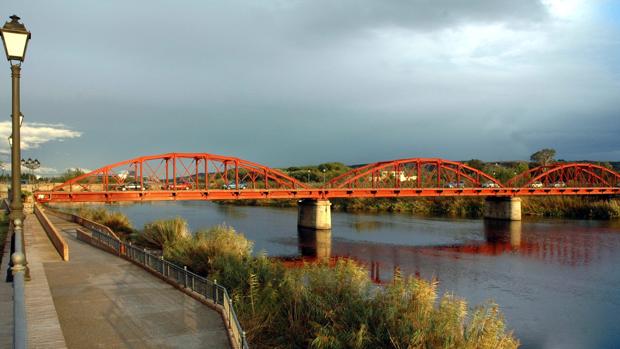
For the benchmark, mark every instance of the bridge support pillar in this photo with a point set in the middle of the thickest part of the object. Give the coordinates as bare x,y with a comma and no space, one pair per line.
314,214
505,208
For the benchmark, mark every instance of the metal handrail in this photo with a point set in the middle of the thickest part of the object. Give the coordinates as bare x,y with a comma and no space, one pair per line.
179,275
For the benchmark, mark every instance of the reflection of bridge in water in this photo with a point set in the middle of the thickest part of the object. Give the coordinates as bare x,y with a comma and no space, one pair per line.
544,242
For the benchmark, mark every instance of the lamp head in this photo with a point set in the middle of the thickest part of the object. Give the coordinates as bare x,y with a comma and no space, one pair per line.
15,37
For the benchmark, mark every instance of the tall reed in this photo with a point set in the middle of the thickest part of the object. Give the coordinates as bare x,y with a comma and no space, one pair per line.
323,306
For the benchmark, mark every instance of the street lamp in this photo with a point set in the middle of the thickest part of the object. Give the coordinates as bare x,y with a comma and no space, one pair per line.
15,38
323,176
308,176
31,165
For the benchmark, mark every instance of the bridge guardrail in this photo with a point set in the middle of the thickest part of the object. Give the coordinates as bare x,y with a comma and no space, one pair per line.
172,273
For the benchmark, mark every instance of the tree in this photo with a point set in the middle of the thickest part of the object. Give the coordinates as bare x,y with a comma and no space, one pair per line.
544,156
69,174
476,163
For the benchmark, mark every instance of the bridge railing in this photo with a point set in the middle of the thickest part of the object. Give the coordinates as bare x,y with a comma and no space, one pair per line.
177,275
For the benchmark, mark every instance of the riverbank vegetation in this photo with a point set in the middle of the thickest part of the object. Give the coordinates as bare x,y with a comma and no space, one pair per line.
466,207
116,221
321,305
571,207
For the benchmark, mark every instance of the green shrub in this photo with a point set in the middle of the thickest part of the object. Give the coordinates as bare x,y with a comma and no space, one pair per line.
572,207
163,234
323,306
220,243
116,221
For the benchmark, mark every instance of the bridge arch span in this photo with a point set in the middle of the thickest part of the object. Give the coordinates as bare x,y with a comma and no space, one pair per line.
181,171
414,173
566,175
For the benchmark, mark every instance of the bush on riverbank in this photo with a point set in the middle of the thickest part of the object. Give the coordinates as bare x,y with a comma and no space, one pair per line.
571,207
163,234
208,247
454,207
323,306
116,221
471,207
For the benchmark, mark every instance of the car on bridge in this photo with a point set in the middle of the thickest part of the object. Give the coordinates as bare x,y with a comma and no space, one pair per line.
233,186
536,184
132,186
460,184
490,184
559,184
178,186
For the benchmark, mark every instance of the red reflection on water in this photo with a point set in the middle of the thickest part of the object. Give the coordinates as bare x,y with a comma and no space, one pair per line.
546,243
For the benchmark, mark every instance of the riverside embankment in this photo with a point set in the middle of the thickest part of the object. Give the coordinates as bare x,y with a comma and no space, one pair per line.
555,280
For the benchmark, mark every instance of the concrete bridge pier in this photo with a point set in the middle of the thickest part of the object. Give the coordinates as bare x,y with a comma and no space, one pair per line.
504,208
314,214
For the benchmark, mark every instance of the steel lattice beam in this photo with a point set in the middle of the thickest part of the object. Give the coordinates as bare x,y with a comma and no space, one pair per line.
203,176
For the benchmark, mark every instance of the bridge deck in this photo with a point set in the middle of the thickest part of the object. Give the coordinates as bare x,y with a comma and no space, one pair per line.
104,301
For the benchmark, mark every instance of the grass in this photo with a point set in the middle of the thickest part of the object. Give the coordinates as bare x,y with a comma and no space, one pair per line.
116,221
318,305
471,207
162,234
571,207
322,306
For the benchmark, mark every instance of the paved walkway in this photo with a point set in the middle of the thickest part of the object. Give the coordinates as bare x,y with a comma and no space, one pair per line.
107,302
42,321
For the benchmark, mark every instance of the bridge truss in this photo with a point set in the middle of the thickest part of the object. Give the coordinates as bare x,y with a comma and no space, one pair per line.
203,176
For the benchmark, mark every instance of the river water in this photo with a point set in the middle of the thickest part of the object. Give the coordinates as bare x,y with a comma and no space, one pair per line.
557,281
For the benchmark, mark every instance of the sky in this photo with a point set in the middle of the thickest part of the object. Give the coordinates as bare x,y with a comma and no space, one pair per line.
300,82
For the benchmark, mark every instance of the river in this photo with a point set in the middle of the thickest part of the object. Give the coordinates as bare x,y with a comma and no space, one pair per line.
557,281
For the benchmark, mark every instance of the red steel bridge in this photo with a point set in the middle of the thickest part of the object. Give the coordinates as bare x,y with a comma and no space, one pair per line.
203,176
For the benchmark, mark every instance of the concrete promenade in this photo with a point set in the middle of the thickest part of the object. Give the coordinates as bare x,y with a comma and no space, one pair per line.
97,300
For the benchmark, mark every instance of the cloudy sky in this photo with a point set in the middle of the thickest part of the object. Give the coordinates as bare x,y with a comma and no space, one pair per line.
306,81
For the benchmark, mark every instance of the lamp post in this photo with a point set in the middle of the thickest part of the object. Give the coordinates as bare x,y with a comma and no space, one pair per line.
31,165
323,176
15,38
308,181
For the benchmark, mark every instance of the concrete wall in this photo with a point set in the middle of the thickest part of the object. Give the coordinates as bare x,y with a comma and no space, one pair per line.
314,214
505,208
57,240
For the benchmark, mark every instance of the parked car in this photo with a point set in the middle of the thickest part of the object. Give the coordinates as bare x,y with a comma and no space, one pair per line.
490,184
233,186
536,184
131,186
460,184
178,186
559,184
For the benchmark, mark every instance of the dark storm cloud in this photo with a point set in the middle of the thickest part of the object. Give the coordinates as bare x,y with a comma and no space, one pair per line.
290,82
325,17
